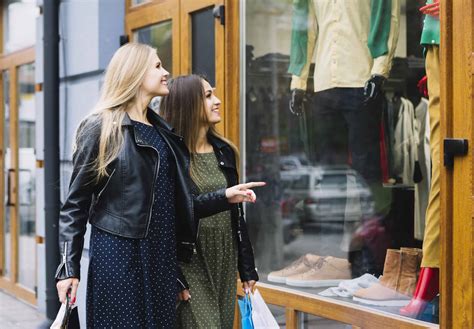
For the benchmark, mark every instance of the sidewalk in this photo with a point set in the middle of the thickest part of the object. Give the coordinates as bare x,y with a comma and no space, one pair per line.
16,314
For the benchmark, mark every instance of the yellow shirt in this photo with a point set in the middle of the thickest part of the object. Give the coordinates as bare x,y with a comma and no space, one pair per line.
338,32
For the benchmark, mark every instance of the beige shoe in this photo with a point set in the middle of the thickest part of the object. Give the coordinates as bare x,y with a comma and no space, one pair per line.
379,295
300,265
326,272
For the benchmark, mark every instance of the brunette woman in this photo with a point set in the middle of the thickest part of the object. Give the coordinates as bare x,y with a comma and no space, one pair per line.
223,245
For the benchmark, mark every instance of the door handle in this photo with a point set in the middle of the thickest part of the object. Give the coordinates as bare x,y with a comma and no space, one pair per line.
10,189
219,12
453,148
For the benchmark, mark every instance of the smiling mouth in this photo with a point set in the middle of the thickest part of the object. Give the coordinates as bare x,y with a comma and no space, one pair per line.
164,82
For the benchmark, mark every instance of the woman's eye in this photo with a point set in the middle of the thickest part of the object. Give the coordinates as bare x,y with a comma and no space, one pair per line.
208,95
158,66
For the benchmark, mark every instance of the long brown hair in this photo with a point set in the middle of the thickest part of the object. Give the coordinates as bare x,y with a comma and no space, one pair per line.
184,109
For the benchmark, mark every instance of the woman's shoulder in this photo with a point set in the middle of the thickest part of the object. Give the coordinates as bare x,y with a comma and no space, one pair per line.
220,144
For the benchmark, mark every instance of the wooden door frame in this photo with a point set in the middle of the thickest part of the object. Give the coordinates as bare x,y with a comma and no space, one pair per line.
227,58
152,13
457,105
187,8
12,62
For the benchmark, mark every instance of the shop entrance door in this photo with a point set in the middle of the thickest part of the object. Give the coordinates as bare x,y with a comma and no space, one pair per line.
18,163
189,36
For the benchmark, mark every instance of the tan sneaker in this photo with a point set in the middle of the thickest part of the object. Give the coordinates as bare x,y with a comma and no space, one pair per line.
300,265
326,272
379,295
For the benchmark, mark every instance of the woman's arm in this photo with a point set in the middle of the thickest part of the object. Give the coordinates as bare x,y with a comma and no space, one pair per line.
75,210
246,260
209,204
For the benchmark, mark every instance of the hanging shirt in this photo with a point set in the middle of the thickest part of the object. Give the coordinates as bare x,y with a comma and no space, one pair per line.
405,144
352,40
431,31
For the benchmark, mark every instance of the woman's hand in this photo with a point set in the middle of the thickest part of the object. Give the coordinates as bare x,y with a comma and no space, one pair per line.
432,9
242,192
184,295
63,287
248,286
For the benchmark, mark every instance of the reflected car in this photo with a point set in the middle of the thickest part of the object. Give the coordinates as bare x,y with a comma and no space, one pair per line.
330,194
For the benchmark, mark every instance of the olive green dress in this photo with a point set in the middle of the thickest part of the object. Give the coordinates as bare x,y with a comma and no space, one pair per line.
212,273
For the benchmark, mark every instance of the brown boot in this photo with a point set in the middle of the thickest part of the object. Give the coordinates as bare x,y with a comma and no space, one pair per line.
419,255
410,267
391,269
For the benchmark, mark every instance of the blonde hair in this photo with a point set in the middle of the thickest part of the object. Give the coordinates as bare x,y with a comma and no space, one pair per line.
123,77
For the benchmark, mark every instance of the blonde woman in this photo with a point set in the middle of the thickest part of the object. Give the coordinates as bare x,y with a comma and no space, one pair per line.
130,181
223,244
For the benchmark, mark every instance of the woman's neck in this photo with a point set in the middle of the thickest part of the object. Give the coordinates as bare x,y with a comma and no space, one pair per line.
137,111
202,144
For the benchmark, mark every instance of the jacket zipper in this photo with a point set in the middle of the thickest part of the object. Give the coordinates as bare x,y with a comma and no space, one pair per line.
106,184
182,284
157,168
64,259
241,215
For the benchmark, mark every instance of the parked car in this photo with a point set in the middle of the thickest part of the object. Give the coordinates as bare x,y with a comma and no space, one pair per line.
330,194
290,168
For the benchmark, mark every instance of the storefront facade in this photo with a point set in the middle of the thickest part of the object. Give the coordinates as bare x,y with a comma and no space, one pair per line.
347,179
337,188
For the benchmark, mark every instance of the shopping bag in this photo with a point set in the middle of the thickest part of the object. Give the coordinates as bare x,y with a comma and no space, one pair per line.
261,315
245,307
63,317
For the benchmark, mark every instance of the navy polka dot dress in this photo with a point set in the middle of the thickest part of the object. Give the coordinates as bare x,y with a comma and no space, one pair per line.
132,282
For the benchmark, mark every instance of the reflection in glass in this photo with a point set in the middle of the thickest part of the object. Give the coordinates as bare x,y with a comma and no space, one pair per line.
19,24
26,174
203,44
343,187
158,36
6,174
138,2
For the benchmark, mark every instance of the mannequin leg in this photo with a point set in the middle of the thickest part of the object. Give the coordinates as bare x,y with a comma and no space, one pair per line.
427,288
428,282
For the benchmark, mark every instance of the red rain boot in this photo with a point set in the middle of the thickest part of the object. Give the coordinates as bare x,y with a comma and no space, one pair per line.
426,289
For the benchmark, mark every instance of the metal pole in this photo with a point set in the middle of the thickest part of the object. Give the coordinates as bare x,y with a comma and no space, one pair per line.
51,149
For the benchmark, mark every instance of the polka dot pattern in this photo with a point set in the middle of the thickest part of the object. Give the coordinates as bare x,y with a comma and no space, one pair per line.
212,273
132,282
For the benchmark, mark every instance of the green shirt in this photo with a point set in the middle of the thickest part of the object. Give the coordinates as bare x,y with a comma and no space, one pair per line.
430,34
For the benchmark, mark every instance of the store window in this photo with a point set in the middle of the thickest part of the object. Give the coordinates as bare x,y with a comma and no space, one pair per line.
337,124
26,173
7,173
19,24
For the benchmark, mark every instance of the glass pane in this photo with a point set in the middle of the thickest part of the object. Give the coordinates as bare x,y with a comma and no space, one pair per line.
27,164
7,170
138,2
160,37
203,44
19,24
342,139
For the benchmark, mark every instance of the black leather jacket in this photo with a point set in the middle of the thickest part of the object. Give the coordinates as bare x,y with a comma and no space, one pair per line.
227,162
122,203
